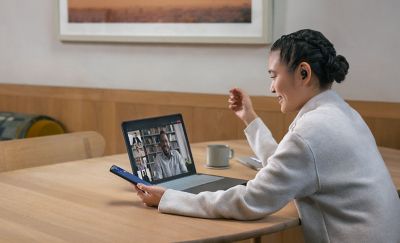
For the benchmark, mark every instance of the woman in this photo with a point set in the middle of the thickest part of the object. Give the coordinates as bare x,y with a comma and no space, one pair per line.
328,161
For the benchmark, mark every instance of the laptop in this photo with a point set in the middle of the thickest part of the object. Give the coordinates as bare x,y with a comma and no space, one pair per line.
159,152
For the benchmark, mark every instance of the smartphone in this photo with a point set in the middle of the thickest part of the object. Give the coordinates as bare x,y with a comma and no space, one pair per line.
128,176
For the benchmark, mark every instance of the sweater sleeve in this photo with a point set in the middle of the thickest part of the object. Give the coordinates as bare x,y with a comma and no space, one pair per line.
290,173
260,140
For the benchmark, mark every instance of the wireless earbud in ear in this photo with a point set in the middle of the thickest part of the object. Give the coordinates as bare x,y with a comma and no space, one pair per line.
303,73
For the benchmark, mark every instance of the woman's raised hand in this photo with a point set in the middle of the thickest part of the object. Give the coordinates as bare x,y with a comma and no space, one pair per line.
240,103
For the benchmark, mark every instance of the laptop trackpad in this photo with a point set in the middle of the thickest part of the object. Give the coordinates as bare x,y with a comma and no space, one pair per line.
223,184
189,181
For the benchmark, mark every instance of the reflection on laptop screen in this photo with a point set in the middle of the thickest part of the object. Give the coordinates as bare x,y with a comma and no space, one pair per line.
158,151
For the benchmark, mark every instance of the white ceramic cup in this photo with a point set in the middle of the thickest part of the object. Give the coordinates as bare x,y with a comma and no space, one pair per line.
218,155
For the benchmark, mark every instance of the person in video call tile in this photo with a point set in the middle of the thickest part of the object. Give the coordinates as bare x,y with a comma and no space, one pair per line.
136,140
170,162
142,166
137,150
328,162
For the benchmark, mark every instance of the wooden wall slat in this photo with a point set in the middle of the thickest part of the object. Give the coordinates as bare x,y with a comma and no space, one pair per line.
214,124
276,123
206,115
377,109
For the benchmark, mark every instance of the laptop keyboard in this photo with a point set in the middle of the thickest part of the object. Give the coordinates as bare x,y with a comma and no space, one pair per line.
189,181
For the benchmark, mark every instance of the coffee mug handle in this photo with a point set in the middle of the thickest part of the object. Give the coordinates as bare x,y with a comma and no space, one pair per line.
231,153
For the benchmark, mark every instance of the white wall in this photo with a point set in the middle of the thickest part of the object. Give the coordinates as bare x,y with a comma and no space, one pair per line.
366,32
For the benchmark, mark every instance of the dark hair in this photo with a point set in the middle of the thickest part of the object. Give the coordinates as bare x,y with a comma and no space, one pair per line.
162,132
314,48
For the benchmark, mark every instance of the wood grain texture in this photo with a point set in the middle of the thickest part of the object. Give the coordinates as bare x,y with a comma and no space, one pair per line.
392,161
89,204
30,152
206,115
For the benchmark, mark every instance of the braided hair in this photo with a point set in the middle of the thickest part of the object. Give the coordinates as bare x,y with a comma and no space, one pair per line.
314,48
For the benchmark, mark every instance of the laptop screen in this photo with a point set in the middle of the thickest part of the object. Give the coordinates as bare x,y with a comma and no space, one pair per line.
158,148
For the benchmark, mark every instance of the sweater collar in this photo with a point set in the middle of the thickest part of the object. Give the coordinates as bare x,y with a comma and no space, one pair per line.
326,96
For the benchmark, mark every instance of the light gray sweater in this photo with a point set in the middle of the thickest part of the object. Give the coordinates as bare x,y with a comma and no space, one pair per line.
328,162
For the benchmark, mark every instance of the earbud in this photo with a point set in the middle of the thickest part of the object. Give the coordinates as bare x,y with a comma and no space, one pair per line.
303,73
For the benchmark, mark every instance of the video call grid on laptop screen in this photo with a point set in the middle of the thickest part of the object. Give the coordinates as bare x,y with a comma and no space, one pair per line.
158,148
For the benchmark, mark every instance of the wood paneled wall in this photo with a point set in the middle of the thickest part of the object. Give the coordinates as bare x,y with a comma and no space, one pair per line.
206,116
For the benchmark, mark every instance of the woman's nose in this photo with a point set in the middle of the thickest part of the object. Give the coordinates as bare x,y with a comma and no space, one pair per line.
271,88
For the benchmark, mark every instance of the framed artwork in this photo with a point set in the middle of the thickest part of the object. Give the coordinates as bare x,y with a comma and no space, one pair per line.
166,21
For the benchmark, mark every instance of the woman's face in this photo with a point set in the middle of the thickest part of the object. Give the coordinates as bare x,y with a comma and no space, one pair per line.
287,87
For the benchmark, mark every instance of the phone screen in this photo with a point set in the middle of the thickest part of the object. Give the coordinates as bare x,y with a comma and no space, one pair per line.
127,176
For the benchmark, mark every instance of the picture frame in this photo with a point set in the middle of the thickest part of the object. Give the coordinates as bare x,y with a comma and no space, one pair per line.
258,31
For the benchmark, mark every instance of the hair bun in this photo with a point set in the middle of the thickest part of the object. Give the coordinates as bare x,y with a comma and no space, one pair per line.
336,68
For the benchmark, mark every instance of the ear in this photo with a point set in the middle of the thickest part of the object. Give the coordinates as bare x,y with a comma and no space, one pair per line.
303,73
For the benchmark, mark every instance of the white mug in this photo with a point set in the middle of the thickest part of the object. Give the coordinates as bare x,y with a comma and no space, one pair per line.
218,155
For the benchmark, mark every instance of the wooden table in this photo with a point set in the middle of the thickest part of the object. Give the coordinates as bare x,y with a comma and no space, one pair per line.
82,202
